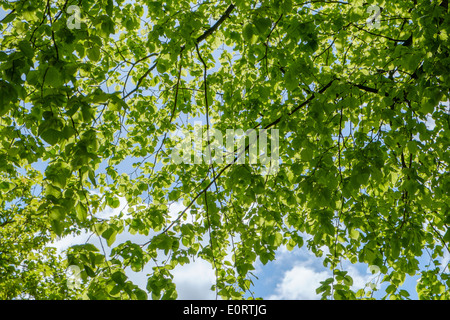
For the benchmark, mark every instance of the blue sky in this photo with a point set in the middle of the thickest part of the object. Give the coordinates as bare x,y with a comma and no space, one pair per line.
293,275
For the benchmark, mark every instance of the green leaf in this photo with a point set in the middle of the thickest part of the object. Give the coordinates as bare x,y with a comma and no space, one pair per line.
53,77
52,191
263,25
81,212
446,237
109,7
164,242
57,213
291,79
291,245
248,32
94,182
9,18
113,202
354,234
348,280
87,112
4,186
107,27
306,154
163,63
86,246
395,247
89,271
119,277
140,294
57,227
404,293
93,54
391,289
26,48
110,236
51,136
286,6
276,239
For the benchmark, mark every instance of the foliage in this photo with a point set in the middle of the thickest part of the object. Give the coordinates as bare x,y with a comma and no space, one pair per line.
364,141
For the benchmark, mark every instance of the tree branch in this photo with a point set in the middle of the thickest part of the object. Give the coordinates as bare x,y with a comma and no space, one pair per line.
378,35
133,65
176,92
11,12
214,27
302,104
138,84
197,41
193,201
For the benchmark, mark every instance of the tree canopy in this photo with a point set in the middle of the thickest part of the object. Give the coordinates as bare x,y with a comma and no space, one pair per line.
91,93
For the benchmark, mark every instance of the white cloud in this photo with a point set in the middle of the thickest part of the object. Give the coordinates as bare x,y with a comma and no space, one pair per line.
111,212
445,261
299,283
194,281
62,244
299,273
359,280
175,209
430,123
